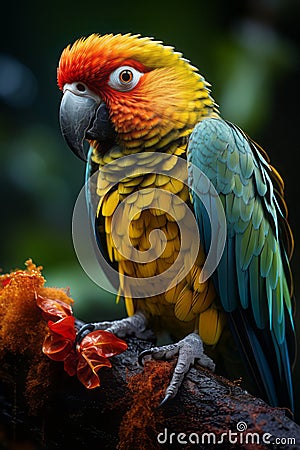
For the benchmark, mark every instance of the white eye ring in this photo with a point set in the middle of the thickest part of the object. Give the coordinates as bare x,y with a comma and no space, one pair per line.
124,78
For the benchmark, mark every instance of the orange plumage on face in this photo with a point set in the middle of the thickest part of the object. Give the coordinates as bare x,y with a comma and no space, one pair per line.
169,94
92,60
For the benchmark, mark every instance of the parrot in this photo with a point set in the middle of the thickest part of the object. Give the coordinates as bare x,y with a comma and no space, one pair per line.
124,95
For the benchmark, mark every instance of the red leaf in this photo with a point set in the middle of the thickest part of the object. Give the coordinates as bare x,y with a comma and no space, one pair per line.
53,309
104,343
95,349
70,362
65,328
56,347
60,342
89,356
89,363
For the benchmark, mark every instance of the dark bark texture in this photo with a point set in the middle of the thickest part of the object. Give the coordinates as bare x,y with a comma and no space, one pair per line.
208,412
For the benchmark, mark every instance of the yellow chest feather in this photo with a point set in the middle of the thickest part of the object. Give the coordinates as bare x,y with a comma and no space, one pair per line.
189,305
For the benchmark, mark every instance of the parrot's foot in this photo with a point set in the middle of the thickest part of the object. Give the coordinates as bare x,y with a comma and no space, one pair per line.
134,325
188,349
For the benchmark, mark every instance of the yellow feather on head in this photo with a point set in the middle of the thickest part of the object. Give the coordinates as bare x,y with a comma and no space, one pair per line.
169,99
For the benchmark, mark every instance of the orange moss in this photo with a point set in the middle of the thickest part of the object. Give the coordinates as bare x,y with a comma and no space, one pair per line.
40,380
141,424
22,328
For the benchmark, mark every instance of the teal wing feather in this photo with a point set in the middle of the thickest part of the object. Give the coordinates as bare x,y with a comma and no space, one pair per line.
253,278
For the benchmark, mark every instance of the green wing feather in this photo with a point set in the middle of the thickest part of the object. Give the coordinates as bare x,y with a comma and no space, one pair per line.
253,278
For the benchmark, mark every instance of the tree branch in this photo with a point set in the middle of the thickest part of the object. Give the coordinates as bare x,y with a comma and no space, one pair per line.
122,413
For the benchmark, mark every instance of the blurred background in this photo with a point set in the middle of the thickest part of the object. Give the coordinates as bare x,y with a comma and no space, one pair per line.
248,51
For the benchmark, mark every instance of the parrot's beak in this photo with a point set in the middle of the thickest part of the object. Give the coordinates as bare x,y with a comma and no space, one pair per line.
81,118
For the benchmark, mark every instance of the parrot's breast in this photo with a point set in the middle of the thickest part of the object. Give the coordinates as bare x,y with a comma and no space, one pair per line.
148,203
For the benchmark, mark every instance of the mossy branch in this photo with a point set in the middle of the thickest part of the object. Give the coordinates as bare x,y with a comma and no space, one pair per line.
42,407
122,413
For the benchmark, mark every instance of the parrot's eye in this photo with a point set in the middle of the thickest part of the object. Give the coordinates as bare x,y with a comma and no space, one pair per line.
124,78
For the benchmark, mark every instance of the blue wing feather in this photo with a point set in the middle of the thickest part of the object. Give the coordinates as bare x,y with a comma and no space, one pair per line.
253,275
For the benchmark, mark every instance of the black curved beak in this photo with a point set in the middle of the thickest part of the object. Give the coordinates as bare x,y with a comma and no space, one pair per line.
81,118
75,116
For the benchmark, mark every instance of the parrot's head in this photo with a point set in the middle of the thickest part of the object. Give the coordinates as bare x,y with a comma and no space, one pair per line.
128,90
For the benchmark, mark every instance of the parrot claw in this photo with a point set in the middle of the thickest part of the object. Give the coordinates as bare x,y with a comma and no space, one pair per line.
142,355
133,325
188,350
83,331
164,400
